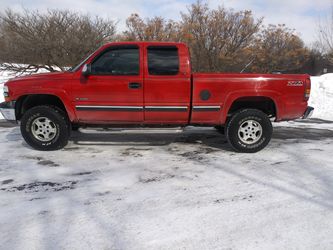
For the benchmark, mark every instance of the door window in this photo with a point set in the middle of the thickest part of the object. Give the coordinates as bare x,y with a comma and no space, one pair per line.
117,61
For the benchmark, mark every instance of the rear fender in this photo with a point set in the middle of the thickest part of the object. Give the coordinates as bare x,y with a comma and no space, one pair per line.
232,97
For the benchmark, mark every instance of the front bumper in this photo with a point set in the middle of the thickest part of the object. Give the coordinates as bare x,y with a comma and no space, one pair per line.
308,112
7,110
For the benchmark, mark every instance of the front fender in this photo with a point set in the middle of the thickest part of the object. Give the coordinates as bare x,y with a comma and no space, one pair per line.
59,93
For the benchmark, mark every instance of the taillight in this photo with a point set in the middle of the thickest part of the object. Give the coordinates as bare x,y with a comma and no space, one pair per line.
307,89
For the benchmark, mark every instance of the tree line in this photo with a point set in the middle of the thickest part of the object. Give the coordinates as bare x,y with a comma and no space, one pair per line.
219,39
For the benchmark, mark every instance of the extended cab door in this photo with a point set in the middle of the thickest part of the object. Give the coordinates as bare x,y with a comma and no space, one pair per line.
167,84
113,91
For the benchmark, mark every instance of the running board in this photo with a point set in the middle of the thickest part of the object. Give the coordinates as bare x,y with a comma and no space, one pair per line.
131,130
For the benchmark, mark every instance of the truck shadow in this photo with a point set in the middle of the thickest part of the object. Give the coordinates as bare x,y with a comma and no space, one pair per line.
285,133
206,136
314,121
209,137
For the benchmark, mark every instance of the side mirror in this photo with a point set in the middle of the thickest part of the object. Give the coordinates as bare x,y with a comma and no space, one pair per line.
86,70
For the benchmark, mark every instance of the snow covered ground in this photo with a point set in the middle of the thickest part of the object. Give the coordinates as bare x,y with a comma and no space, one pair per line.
166,189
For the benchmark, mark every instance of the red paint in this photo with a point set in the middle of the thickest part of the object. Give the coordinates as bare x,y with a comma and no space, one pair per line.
174,90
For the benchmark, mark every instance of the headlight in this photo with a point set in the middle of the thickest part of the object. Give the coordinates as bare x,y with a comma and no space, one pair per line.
5,91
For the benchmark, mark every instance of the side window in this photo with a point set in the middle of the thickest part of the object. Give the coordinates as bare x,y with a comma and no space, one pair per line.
163,60
117,61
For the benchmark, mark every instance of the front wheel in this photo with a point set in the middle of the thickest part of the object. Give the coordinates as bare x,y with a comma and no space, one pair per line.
45,128
249,130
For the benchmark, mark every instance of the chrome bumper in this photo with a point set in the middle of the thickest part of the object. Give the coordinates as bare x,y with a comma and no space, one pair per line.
7,110
308,112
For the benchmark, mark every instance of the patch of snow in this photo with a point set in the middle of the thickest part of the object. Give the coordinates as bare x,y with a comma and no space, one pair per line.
321,97
1,91
5,75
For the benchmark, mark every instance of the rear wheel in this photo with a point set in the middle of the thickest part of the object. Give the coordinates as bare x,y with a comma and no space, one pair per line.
45,128
249,130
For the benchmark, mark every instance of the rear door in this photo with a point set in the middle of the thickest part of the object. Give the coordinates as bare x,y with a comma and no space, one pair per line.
113,92
167,84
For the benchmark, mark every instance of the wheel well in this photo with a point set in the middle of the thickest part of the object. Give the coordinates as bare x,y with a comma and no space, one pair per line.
265,104
27,102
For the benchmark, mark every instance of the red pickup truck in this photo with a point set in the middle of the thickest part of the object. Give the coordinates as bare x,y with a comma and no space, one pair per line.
151,84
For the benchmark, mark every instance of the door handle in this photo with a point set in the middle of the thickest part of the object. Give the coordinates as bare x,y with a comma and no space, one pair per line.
134,85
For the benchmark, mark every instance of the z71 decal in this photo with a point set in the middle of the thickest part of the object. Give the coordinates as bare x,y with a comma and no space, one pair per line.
295,83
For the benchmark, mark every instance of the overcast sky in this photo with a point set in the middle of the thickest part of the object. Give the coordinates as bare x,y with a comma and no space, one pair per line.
302,15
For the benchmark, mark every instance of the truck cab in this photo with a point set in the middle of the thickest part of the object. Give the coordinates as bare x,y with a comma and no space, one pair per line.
146,83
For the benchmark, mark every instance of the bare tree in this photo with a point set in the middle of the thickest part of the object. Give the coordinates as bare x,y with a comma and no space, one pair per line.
218,38
325,36
278,48
53,40
151,29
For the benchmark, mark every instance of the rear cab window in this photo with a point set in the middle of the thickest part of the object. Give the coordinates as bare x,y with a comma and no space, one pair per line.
163,60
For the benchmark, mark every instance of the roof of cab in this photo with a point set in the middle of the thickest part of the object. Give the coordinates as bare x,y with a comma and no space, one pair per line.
145,43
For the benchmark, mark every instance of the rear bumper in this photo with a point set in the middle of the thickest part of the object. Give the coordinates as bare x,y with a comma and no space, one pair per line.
7,110
308,112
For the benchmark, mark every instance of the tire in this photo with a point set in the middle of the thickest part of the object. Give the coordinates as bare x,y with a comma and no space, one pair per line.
249,130
45,128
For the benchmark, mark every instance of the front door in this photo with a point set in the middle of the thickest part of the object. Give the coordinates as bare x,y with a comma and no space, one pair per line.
113,91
